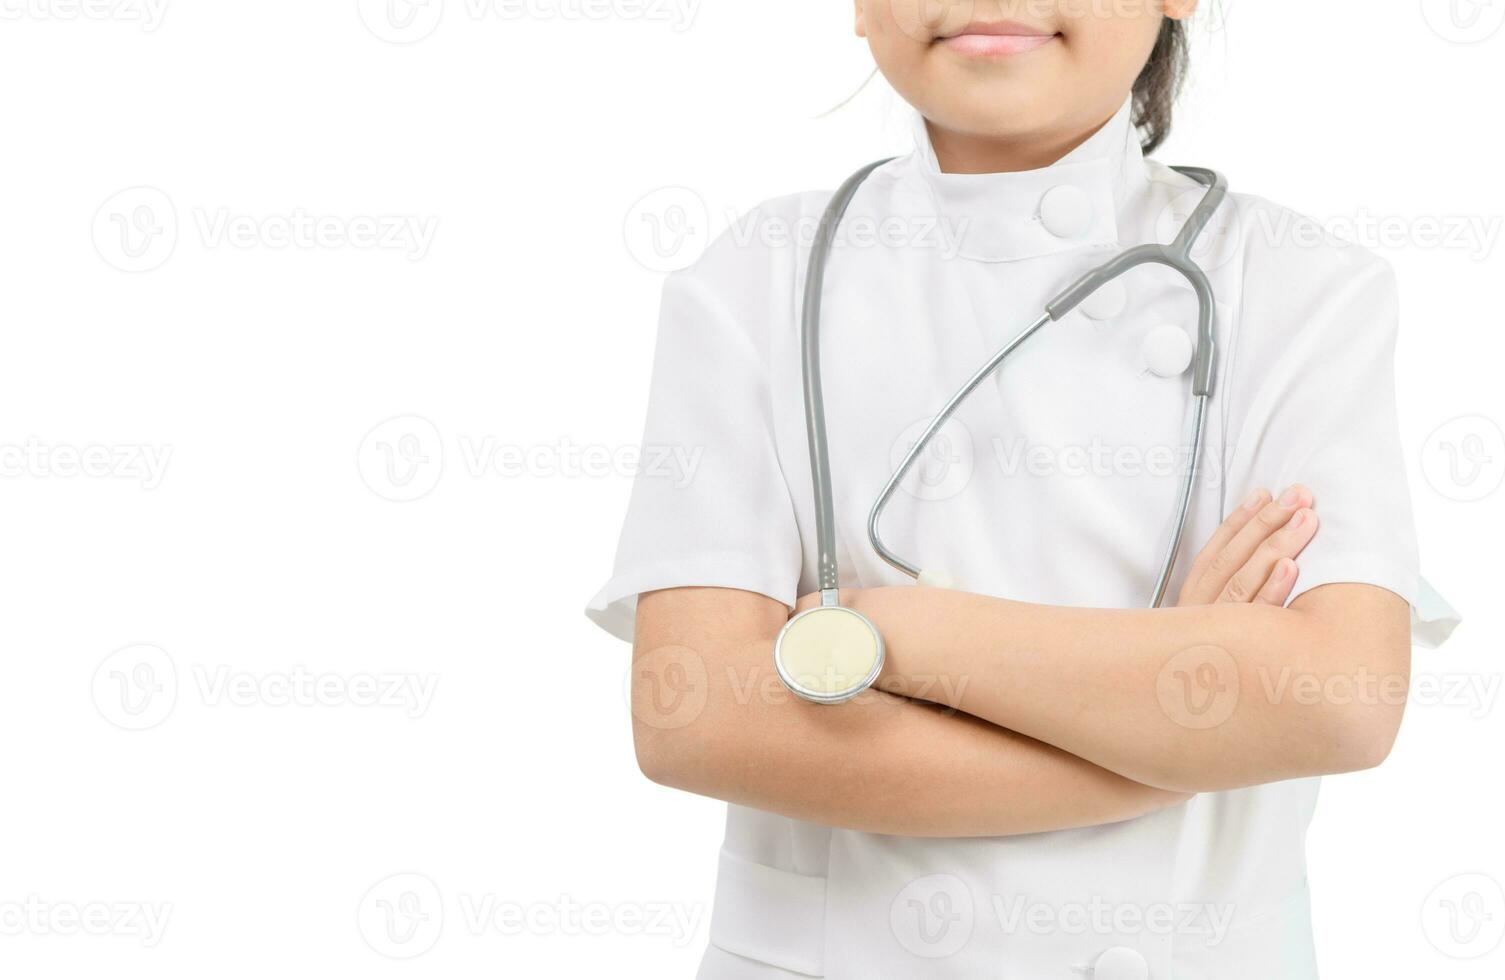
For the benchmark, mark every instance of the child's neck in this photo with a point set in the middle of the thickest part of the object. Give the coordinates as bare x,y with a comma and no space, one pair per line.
965,153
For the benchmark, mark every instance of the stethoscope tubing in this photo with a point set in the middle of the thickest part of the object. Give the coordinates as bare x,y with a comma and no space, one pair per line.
935,426
815,407
1176,255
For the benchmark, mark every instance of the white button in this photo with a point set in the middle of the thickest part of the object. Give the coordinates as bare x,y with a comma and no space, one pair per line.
1167,351
1121,963
1108,302
1066,211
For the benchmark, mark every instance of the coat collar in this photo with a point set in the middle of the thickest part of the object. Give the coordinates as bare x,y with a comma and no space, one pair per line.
1073,203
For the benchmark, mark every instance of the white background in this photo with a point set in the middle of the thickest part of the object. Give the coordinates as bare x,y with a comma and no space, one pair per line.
263,583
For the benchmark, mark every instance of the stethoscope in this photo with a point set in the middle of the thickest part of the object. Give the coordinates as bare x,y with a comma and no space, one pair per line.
829,654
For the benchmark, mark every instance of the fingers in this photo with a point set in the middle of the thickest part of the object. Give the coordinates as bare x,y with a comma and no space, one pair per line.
1277,588
1268,522
1284,544
1227,569
1193,593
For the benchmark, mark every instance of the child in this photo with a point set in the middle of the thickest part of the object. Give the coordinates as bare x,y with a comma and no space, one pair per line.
1054,781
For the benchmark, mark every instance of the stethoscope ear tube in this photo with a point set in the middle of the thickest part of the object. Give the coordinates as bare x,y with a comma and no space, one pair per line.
1176,255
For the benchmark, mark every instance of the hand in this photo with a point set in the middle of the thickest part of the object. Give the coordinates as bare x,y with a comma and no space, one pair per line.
1252,556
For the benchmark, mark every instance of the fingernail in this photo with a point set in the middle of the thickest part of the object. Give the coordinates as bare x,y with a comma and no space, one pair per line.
1282,569
1255,498
1290,497
1299,519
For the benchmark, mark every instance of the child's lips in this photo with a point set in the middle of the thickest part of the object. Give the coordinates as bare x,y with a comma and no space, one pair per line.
996,45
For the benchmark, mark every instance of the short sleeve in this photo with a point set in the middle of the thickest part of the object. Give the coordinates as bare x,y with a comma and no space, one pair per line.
1312,396
709,506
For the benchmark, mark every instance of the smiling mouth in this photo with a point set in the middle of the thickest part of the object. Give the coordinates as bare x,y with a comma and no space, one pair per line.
998,39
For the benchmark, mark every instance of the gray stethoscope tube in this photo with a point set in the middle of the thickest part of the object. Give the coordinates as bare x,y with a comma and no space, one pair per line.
800,658
815,405
828,654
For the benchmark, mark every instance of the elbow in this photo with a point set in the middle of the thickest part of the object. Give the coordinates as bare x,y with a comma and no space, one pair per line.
678,741
691,759
1350,728
1363,736
668,702
690,733
656,764
664,759
1364,713
1360,681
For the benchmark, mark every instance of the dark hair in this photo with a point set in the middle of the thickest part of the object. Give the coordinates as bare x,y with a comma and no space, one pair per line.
1156,87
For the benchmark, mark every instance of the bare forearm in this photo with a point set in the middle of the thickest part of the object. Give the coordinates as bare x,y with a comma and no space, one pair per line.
880,764
1192,699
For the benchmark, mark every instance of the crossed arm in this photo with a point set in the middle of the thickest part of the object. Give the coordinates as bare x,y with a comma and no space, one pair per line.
1001,718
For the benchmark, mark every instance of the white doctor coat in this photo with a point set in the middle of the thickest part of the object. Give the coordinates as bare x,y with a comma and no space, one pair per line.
1054,484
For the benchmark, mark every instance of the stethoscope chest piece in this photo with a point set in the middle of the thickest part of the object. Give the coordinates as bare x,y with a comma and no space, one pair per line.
828,654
